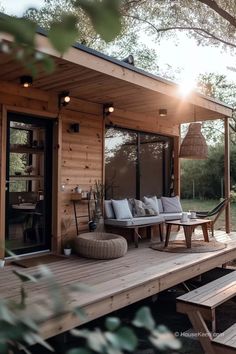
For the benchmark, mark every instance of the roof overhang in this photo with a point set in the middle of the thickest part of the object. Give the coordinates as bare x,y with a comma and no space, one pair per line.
97,78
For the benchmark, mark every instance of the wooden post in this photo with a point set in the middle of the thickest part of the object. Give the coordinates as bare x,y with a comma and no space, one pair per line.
56,187
227,175
176,165
3,121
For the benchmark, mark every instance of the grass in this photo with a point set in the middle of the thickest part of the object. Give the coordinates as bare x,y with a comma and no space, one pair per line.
205,205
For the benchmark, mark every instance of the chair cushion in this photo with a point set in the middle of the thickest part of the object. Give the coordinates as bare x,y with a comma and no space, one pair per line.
108,208
121,209
146,220
151,203
171,204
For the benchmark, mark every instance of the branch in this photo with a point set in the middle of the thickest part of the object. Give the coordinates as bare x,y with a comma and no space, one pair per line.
185,28
224,14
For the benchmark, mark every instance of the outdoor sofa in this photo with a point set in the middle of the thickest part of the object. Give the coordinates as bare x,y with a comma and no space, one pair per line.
127,213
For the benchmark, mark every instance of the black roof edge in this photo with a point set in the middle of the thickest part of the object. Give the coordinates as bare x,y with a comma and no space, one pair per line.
106,57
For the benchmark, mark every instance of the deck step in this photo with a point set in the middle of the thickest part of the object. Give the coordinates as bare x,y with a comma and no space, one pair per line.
226,341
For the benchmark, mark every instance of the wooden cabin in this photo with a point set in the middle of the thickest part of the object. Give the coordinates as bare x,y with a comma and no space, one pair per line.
48,149
44,163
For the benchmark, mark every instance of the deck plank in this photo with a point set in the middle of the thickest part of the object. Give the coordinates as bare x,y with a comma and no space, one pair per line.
117,283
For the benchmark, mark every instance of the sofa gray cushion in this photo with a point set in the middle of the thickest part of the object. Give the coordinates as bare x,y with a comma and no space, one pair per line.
171,205
151,203
108,208
160,206
171,216
151,220
121,209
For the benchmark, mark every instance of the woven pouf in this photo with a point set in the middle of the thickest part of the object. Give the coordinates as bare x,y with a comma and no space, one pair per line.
100,245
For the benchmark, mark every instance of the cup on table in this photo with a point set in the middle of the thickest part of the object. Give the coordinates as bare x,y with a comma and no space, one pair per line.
193,215
184,217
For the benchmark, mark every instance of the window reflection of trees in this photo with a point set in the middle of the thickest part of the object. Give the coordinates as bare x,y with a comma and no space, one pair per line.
136,163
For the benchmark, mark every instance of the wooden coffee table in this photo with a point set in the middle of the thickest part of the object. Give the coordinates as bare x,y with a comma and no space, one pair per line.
188,227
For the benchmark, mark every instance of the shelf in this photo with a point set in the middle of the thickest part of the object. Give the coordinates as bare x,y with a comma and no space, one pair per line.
26,150
26,178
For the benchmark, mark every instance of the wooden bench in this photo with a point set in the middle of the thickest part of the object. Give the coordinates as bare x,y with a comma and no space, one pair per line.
226,342
201,304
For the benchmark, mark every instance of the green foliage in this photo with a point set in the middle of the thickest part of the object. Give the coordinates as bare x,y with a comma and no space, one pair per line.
18,330
105,16
144,319
63,33
117,339
207,175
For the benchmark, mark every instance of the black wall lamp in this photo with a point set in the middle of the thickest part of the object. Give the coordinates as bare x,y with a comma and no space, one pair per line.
163,112
108,108
74,128
64,98
26,81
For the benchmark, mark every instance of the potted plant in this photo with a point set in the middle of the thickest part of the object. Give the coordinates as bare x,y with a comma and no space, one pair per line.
98,196
67,249
66,239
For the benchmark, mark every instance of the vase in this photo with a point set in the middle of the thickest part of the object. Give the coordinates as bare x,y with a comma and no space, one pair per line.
67,251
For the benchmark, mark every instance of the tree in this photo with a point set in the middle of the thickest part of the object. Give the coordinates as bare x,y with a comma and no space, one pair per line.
127,42
217,86
194,17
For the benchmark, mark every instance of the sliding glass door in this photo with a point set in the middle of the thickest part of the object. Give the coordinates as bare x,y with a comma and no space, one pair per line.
137,164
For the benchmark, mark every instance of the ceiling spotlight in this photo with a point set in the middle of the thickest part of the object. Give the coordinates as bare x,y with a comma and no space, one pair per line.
108,109
26,81
162,112
64,98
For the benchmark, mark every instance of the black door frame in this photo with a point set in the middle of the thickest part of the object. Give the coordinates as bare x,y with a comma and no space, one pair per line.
48,125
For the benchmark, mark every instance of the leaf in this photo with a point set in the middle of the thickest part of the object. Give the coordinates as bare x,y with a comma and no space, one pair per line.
105,16
79,351
112,323
22,29
78,311
5,314
163,339
84,333
80,287
144,319
127,339
63,33
24,277
48,64
96,341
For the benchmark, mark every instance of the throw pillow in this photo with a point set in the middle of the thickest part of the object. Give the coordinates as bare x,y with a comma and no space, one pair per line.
139,208
109,212
171,205
151,203
121,209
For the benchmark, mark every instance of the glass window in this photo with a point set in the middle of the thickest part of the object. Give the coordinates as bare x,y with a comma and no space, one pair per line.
121,161
137,164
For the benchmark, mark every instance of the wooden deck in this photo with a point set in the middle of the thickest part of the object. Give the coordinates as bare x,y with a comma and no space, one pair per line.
117,283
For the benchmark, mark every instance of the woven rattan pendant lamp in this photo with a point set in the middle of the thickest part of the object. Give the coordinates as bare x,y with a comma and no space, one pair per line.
194,145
